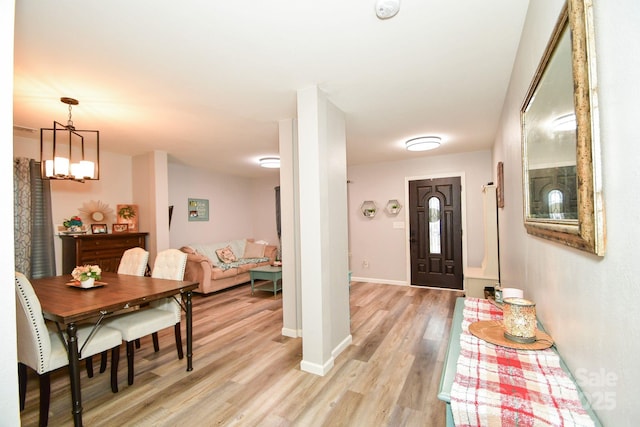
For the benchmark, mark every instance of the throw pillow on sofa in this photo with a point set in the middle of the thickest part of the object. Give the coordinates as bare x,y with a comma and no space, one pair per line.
226,255
254,250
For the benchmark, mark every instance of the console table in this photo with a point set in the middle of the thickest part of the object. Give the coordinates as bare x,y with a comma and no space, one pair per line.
104,250
450,367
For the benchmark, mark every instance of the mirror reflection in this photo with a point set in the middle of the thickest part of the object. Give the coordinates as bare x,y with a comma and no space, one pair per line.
549,126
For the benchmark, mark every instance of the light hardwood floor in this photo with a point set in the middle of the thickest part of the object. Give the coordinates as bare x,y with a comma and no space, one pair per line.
247,374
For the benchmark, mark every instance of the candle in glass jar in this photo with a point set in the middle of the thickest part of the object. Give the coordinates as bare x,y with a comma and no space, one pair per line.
519,318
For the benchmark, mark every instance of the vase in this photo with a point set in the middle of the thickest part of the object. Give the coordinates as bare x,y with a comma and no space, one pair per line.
88,283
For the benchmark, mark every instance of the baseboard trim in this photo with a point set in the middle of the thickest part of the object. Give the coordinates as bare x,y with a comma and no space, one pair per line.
314,368
381,281
293,333
342,346
317,369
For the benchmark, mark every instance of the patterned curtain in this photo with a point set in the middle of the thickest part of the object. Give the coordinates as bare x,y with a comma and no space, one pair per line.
33,222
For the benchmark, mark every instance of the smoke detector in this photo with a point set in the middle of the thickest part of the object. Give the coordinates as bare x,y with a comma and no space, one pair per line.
386,9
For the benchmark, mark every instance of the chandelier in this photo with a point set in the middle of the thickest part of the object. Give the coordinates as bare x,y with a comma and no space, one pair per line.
69,153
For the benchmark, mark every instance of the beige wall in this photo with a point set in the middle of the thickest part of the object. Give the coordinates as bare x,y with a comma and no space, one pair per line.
588,304
384,247
234,204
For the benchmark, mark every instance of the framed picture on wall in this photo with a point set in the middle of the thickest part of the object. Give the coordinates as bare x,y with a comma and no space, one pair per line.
128,214
198,209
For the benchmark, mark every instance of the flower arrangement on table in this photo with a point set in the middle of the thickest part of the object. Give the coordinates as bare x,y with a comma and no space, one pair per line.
86,272
73,224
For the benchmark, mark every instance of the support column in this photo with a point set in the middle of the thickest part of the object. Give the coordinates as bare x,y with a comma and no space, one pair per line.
290,238
323,231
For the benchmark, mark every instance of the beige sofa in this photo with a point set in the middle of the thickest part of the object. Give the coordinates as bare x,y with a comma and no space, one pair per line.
205,266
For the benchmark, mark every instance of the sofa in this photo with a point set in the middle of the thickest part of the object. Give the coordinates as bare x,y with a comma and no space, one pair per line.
217,266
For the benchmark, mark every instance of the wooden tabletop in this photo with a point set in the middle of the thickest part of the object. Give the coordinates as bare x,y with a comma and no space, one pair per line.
64,304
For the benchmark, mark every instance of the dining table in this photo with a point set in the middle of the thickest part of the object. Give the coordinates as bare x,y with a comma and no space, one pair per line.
63,301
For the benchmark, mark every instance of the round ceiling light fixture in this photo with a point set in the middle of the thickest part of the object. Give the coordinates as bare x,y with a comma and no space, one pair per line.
270,162
423,143
386,9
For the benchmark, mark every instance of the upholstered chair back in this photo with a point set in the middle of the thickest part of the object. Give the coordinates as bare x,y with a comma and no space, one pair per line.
34,344
169,264
133,262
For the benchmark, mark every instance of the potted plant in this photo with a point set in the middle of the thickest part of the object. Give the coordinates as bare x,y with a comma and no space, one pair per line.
87,275
393,207
73,224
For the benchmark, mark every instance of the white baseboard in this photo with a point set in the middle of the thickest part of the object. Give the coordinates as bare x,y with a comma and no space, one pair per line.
314,368
293,333
322,370
342,346
381,281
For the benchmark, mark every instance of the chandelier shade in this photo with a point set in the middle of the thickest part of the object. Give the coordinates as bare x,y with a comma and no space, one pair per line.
69,153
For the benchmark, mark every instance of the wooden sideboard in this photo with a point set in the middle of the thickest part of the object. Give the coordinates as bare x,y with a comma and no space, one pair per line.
104,250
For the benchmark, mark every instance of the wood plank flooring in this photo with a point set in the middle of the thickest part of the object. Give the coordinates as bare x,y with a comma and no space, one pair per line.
247,374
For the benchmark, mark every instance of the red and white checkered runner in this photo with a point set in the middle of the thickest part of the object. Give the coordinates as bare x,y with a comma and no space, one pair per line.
499,386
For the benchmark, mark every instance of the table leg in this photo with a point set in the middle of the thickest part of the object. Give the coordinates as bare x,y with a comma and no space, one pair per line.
74,374
188,308
251,282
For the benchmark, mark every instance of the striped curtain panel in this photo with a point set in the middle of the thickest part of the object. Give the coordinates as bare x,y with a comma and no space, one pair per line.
33,222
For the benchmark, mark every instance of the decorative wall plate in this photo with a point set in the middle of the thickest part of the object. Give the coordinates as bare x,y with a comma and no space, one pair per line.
96,212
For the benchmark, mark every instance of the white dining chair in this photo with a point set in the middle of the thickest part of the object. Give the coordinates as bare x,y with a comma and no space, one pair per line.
42,348
133,262
169,264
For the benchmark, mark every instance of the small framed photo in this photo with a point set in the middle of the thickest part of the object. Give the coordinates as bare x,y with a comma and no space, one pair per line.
120,228
198,209
98,228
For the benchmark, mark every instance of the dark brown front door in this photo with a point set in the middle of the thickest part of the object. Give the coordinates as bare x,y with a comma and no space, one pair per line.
435,222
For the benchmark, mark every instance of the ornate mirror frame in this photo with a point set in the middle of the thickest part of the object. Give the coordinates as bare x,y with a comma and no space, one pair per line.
587,231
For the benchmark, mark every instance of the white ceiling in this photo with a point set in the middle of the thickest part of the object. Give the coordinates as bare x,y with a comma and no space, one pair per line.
207,81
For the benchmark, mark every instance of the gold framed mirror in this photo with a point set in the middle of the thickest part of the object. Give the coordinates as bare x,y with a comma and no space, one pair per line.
560,138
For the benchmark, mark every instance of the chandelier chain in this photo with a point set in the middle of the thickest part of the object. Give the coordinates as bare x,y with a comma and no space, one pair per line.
70,122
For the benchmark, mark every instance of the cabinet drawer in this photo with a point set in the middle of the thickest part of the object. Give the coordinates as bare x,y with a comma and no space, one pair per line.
110,244
102,249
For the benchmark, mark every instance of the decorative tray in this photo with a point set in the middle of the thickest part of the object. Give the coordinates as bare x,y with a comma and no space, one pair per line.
75,284
492,331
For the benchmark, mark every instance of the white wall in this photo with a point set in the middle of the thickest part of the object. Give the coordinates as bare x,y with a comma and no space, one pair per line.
587,303
9,407
383,246
231,207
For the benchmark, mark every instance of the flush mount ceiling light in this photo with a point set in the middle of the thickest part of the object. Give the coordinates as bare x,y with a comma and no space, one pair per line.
564,123
423,143
69,153
386,9
270,162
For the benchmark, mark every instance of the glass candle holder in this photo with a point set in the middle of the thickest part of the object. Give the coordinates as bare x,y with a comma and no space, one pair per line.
519,318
